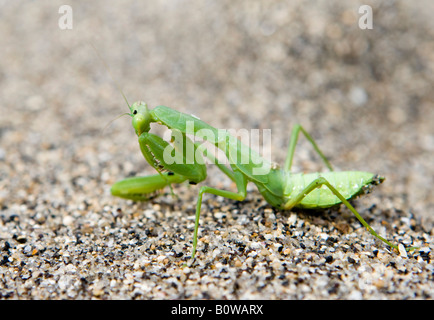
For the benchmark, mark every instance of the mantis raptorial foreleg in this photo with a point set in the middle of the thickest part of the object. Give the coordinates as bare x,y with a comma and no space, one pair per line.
292,143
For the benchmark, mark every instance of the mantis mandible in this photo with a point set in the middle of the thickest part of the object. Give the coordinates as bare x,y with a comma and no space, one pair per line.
280,188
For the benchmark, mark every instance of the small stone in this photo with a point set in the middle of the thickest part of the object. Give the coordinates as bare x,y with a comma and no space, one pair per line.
68,220
21,239
264,252
358,96
402,251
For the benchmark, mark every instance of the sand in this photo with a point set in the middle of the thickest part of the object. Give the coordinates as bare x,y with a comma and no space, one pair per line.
365,96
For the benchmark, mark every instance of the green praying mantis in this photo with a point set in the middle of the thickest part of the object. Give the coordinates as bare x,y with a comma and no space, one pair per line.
280,188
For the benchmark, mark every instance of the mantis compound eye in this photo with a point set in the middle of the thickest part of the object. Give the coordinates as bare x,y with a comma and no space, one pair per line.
135,112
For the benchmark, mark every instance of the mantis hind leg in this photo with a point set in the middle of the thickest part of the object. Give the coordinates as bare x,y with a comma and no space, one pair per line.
318,183
241,183
293,142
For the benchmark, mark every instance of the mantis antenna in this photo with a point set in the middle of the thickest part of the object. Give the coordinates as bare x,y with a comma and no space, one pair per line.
111,121
117,86
111,76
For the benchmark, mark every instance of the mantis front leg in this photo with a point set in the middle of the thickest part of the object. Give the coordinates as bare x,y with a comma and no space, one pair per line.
241,183
144,188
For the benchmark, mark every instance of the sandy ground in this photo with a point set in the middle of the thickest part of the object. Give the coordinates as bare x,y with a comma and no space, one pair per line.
365,95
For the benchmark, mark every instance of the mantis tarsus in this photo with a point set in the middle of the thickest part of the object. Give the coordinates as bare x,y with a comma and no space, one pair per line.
280,188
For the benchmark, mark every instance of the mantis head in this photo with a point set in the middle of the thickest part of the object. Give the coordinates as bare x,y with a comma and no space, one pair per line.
141,117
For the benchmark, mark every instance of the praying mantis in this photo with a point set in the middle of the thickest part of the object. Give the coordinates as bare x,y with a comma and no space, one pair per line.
280,188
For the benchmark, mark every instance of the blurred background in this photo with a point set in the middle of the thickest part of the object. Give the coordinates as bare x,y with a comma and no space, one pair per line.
365,95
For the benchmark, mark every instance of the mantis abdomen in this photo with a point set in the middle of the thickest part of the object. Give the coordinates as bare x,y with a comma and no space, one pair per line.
348,183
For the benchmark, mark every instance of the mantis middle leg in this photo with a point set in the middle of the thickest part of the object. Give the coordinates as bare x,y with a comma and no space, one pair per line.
241,182
228,172
292,143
